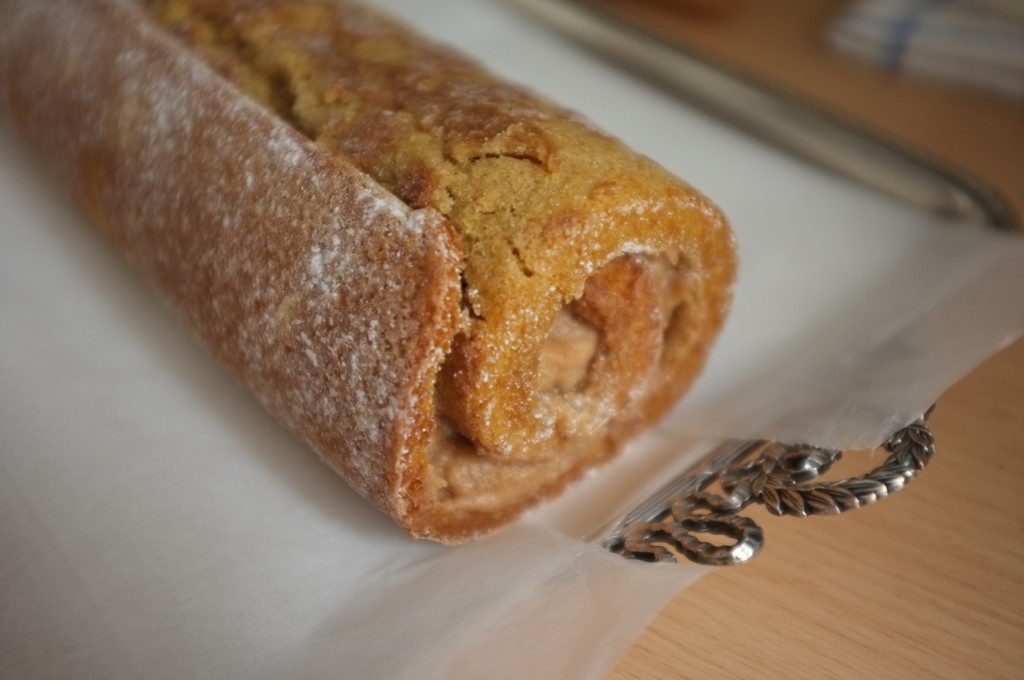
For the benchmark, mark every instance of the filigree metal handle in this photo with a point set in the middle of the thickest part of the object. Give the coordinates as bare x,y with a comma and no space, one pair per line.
783,479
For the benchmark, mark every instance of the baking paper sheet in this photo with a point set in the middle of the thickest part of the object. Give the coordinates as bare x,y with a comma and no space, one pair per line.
155,523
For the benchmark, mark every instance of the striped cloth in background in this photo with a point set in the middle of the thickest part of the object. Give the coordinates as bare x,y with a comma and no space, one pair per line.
978,43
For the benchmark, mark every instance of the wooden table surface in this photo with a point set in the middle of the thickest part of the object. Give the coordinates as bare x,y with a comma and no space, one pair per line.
927,584
930,582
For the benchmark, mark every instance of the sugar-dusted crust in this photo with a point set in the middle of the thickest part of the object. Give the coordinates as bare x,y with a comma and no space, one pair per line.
328,297
511,296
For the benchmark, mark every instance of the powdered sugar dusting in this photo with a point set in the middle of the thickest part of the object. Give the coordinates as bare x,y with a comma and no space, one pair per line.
301,274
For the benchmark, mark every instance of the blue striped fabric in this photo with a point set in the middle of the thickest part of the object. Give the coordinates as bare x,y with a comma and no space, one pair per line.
902,29
977,43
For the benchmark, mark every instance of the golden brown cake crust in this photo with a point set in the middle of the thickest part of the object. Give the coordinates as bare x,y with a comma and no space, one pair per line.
537,296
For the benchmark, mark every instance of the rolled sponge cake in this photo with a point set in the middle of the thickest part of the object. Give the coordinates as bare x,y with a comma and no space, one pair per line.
460,295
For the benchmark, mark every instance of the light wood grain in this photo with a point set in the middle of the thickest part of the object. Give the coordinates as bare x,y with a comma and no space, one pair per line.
928,584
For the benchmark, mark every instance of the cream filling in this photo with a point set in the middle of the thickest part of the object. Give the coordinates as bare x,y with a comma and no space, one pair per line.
567,353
